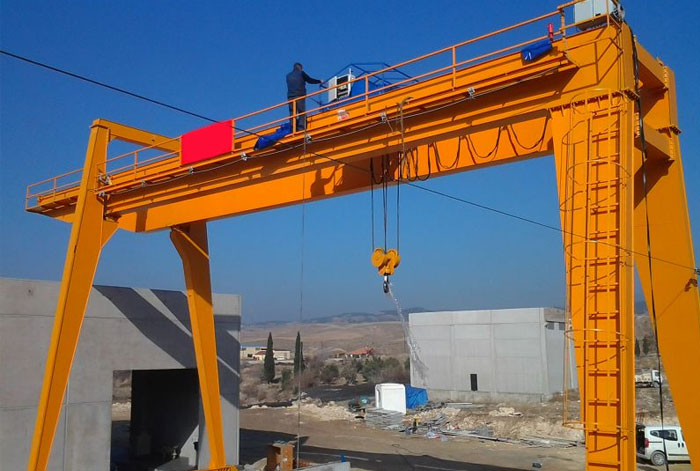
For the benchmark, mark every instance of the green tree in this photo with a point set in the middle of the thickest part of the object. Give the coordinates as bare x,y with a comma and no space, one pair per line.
329,373
636,347
269,365
349,372
286,379
646,344
299,355
372,369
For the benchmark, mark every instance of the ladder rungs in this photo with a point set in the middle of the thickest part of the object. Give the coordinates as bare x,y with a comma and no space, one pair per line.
602,431
608,464
604,185
602,287
602,372
604,315
607,402
607,233
603,343
603,260
605,208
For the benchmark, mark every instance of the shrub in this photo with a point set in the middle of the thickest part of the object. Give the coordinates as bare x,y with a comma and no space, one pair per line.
309,379
287,379
329,373
349,373
379,370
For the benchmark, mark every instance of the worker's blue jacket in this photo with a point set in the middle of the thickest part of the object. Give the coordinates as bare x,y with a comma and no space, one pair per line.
296,83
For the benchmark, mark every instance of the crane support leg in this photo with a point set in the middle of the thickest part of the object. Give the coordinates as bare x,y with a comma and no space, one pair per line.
593,149
191,243
675,286
90,232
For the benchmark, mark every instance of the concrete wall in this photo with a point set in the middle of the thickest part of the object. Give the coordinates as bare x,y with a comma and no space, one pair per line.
512,352
124,329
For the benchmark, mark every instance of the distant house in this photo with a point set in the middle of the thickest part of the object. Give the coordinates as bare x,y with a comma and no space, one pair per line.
279,355
249,351
282,355
365,352
338,354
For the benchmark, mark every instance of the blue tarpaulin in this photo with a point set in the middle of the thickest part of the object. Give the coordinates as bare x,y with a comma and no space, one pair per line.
271,139
415,397
536,50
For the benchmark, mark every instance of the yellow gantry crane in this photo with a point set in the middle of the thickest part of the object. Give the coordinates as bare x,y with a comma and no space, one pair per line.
597,100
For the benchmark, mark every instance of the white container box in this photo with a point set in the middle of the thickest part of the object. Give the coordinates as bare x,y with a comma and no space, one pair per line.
390,396
594,11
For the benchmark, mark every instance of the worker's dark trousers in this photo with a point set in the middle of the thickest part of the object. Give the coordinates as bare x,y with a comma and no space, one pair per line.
301,108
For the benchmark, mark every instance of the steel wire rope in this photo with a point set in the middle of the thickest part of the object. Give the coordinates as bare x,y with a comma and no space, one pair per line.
300,367
119,90
371,199
385,195
638,102
288,147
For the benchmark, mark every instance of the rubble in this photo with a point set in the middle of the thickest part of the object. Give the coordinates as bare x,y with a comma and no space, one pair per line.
505,412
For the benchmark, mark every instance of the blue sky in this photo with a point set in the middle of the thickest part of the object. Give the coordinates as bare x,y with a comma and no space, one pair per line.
224,59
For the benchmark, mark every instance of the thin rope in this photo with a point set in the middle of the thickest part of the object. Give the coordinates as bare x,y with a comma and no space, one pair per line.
301,302
385,195
286,147
402,158
371,198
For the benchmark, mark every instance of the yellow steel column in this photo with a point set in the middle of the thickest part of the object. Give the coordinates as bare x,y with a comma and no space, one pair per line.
593,139
191,243
90,232
675,284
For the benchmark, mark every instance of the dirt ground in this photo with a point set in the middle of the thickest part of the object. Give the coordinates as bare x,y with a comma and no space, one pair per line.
372,449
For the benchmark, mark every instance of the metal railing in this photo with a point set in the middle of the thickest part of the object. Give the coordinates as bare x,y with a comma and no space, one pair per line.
46,191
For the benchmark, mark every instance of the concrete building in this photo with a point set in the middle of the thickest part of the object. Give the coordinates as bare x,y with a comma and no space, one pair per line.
248,351
146,332
278,355
500,355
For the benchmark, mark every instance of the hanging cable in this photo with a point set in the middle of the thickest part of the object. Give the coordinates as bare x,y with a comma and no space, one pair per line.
301,298
538,143
638,100
438,161
402,157
491,154
385,195
371,199
287,147
120,90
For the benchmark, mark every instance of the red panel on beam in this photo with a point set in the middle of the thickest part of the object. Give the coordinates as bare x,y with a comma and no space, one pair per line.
207,142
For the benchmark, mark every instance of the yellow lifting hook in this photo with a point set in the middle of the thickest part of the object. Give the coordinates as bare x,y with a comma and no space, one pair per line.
386,262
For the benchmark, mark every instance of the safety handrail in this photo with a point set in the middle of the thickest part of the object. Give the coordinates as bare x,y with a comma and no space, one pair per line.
242,131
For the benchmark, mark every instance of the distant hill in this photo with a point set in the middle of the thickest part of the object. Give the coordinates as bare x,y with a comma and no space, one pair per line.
640,308
349,318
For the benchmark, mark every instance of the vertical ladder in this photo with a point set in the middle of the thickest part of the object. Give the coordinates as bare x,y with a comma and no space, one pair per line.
592,209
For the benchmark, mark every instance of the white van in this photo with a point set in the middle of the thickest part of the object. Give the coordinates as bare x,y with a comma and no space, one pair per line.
650,444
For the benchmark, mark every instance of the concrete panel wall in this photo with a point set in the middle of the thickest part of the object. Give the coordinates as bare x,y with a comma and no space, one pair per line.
124,329
512,353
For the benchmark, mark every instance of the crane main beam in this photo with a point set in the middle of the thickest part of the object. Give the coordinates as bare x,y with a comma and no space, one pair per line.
578,102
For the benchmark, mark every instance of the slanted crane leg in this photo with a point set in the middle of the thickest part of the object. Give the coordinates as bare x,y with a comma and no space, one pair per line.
90,232
593,144
675,284
191,243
